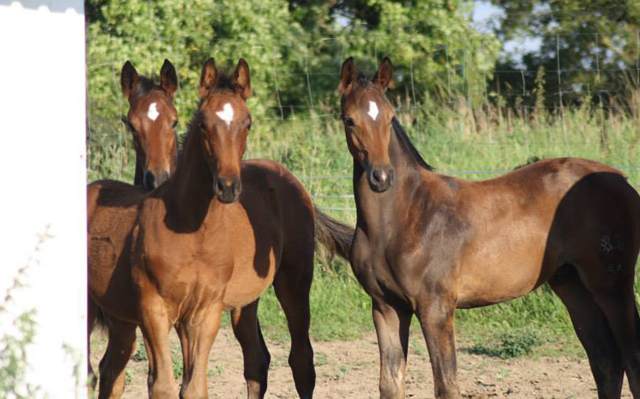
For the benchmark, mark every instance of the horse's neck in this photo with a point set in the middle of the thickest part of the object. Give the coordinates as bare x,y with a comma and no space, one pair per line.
379,213
190,190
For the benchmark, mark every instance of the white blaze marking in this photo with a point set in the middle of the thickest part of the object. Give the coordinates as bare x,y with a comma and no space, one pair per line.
226,114
373,110
153,112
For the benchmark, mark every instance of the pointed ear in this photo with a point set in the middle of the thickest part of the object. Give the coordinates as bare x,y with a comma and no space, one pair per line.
168,78
348,74
242,79
208,78
385,73
128,79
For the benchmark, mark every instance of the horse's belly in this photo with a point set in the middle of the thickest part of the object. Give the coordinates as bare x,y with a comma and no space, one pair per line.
257,249
488,279
109,267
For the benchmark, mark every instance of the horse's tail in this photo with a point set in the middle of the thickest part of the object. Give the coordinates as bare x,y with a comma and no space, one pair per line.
335,236
100,320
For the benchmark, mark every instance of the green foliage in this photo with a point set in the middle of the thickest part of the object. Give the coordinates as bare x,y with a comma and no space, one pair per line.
176,364
18,333
596,41
294,52
141,354
187,33
13,357
509,344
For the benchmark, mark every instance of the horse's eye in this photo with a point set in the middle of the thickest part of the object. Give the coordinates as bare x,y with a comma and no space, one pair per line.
348,122
203,126
129,125
175,123
249,126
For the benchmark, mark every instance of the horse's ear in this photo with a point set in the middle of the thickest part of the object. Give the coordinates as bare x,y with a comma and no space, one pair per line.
385,73
242,79
208,78
348,74
128,79
168,78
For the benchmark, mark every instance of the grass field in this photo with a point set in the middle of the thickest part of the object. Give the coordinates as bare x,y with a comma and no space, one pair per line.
473,144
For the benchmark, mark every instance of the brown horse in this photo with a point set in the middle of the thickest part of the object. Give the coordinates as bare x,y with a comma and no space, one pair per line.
192,256
426,244
152,120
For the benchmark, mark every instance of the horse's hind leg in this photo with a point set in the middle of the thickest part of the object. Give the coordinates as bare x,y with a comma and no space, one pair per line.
593,330
292,285
615,297
246,328
122,339
92,315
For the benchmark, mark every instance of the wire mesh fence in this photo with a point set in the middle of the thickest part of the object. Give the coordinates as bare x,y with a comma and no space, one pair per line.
472,123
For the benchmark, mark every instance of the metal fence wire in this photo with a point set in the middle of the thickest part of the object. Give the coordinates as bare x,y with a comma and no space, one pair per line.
457,89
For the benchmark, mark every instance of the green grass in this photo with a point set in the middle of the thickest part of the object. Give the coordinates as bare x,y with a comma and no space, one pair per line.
455,141
340,309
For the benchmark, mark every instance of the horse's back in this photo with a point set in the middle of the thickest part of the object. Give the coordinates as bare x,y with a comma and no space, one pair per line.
112,211
272,222
526,224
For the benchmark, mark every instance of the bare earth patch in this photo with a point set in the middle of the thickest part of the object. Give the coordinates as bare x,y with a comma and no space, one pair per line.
349,369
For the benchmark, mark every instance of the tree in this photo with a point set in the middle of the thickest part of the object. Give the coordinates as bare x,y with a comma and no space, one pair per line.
294,48
589,49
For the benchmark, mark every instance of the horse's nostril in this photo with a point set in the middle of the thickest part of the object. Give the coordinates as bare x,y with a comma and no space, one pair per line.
220,186
379,176
376,176
149,181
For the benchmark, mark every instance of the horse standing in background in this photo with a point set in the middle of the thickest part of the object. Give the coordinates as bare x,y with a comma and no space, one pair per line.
426,244
152,120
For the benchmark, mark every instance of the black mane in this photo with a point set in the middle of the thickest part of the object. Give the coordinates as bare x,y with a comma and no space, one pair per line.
145,86
403,137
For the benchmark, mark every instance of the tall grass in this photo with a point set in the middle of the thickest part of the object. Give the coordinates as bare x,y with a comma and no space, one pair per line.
473,143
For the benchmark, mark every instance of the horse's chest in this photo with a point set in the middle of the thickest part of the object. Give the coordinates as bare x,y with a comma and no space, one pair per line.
180,262
377,269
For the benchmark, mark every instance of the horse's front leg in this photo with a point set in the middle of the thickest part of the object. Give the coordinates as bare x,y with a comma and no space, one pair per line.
435,312
198,333
155,324
392,327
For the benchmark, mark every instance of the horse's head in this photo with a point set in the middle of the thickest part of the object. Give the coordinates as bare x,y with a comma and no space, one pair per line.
367,119
152,119
225,121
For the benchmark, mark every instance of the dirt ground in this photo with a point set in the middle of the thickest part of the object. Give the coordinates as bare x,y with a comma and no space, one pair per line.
349,369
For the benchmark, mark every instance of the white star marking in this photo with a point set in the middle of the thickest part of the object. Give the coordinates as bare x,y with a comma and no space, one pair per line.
153,112
373,110
226,114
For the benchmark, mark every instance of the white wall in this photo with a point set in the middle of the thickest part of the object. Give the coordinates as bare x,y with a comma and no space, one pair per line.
43,182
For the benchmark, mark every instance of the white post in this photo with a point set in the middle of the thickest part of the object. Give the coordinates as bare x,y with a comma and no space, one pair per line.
43,187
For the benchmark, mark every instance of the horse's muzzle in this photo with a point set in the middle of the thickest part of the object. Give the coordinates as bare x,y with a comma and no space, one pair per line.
381,178
227,190
152,180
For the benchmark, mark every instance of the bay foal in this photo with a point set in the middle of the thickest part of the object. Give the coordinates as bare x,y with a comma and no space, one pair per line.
426,244
152,120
